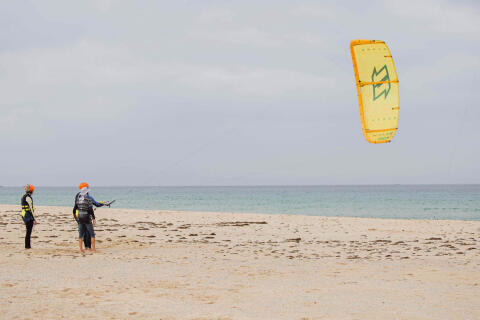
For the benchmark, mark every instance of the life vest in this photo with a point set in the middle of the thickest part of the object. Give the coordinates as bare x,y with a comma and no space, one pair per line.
84,205
27,213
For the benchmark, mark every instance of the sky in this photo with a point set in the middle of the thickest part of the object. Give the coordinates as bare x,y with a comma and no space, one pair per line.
168,93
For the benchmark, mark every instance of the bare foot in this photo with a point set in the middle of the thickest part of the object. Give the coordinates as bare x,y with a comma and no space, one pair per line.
82,251
94,251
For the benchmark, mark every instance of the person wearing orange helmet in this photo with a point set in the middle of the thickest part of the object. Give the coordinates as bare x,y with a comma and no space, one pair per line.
27,213
85,216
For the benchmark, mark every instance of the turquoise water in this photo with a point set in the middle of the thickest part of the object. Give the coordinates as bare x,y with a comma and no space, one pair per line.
460,202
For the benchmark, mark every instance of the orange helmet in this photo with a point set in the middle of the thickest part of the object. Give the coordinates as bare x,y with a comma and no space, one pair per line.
83,185
29,188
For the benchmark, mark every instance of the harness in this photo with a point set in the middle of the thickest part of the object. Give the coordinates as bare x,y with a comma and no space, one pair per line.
84,205
27,214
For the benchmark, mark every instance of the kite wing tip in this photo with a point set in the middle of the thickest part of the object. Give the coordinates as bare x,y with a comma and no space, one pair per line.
356,42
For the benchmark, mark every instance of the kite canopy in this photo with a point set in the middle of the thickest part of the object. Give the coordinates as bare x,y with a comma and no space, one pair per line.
377,89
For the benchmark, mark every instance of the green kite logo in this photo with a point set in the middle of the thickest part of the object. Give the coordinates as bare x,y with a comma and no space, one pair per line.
380,89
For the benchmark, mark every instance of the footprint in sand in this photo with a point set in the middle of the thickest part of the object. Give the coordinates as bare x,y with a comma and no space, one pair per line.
8,285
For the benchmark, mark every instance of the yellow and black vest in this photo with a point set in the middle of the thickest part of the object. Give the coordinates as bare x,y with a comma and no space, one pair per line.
27,214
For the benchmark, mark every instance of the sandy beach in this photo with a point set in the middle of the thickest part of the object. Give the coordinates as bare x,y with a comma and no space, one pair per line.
192,265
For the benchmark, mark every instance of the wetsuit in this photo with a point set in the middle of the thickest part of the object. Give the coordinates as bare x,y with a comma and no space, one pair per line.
85,228
87,239
27,216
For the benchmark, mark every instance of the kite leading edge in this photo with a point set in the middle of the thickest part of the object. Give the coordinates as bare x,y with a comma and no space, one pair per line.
377,88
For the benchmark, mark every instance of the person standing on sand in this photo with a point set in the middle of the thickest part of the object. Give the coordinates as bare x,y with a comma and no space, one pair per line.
83,213
87,239
27,213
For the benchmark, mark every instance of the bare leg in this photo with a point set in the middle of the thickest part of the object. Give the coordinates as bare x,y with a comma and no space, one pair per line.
93,245
80,241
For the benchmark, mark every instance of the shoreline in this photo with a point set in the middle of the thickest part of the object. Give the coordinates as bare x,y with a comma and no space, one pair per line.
195,265
242,213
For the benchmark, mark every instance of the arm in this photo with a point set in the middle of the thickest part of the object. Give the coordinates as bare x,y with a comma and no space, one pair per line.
30,204
92,213
95,203
75,208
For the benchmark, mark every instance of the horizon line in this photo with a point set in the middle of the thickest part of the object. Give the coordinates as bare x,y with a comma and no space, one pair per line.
252,185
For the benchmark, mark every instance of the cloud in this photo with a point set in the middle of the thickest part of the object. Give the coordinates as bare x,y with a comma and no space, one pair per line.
247,36
215,16
154,80
439,16
449,77
317,11
256,83
93,76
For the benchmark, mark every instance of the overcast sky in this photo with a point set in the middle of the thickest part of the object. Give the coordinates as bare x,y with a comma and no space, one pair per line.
232,92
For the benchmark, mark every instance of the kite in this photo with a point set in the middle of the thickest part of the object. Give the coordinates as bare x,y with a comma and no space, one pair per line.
377,89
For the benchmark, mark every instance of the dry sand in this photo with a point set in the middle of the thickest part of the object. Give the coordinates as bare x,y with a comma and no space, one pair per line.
186,265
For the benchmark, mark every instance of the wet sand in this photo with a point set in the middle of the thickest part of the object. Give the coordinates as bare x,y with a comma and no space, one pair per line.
191,265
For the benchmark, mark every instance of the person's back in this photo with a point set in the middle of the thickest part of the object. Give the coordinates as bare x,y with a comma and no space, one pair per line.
84,214
84,206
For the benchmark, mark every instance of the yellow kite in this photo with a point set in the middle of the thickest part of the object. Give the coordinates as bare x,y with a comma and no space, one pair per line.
377,89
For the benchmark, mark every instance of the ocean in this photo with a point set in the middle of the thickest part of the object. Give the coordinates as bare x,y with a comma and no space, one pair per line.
457,202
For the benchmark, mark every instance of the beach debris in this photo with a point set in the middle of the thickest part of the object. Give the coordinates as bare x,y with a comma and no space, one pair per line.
297,240
448,246
239,223
382,241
